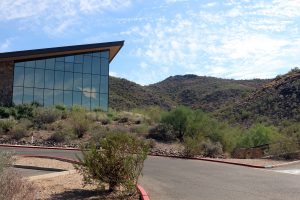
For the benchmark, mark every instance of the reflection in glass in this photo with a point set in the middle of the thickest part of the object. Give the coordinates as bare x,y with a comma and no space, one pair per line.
104,66
40,63
48,97
39,78
78,59
28,95
96,54
104,84
78,67
68,98
77,82
69,59
39,96
96,83
60,66
59,80
30,64
19,76
20,64
29,77
77,98
87,82
94,100
49,79
86,100
62,59
87,64
58,97
104,102
69,67
96,65
50,63
68,83
104,54
17,95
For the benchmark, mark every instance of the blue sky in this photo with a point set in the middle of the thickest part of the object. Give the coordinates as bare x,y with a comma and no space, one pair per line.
228,38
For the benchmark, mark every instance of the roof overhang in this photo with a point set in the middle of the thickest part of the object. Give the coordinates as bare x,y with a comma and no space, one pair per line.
113,47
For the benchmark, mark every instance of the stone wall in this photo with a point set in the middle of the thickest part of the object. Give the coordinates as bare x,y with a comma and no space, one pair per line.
6,82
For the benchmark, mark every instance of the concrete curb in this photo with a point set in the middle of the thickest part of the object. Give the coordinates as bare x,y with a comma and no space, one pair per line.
39,168
143,193
50,157
39,147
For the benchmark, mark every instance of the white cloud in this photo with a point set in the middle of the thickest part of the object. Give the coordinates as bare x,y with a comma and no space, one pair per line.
5,46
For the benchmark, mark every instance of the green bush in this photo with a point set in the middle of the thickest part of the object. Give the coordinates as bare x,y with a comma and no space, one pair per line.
178,119
210,149
192,147
24,111
61,136
118,163
140,128
162,133
7,124
287,148
259,134
152,114
46,116
80,123
4,112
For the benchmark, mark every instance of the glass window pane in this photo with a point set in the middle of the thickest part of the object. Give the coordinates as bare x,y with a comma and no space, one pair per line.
50,63
28,95
69,67
60,66
96,65
95,83
87,82
30,64
97,54
87,64
104,102
49,79
39,96
58,97
68,98
29,77
20,64
68,84
79,59
39,78
77,98
60,59
78,68
59,80
17,95
48,97
77,82
105,54
95,100
86,99
40,63
104,84
18,76
69,59
104,66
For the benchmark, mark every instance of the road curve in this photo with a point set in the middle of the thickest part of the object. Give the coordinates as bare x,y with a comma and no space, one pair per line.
166,178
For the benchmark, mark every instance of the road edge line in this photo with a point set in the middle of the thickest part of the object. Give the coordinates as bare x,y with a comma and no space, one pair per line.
39,147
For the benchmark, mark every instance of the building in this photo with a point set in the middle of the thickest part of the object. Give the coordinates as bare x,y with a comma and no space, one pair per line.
63,75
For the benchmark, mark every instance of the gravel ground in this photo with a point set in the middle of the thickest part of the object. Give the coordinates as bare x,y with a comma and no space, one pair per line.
41,162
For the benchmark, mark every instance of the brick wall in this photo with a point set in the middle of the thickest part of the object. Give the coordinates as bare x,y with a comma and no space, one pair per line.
6,82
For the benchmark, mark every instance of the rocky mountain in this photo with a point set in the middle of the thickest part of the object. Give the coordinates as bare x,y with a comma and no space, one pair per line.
207,93
274,102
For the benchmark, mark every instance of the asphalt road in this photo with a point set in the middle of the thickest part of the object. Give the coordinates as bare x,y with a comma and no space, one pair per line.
166,178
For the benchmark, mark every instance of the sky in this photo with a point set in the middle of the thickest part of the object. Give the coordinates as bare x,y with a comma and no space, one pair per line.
236,39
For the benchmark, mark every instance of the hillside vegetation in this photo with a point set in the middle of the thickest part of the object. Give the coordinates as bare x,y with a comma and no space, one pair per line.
198,92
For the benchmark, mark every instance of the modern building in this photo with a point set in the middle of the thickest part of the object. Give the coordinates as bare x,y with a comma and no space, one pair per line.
70,75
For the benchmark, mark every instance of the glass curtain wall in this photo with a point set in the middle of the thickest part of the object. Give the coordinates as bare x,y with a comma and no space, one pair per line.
70,80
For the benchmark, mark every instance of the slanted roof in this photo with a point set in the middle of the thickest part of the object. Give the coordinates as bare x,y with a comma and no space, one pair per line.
113,47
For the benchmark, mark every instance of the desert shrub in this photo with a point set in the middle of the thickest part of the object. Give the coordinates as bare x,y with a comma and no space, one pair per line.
46,116
80,124
162,133
287,148
98,117
18,133
259,134
118,163
61,136
4,112
7,124
152,114
24,111
191,147
141,128
129,117
178,119
12,185
210,149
